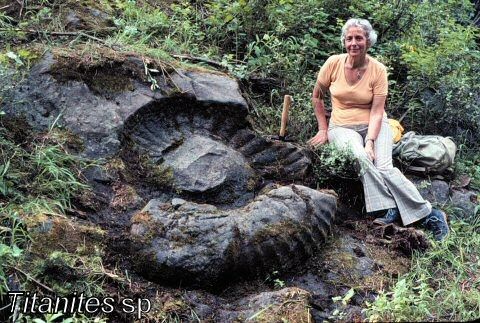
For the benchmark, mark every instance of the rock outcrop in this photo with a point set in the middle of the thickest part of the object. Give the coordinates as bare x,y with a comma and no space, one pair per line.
188,148
201,244
464,200
191,136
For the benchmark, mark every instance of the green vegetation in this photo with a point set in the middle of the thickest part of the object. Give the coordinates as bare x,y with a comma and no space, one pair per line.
333,163
470,167
443,284
430,48
38,180
50,318
38,177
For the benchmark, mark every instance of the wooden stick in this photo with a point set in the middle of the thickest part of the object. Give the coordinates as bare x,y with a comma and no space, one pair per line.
287,102
199,59
34,280
21,7
55,33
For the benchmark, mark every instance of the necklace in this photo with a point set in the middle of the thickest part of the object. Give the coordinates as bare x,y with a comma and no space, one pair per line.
358,69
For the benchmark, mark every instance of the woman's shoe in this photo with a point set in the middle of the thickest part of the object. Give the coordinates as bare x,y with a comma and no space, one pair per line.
391,216
436,222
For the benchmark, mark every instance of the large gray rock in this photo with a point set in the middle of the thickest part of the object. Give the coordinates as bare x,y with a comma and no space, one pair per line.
191,136
45,101
190,141
203,245
98,118
435,191
212,154
210,88
202,165
465,201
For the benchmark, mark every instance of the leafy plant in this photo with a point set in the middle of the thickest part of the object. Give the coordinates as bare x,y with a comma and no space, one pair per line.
331,161
338,314
42,178
345,299
443,283
13,238
48,318
470,166
148,73
275,280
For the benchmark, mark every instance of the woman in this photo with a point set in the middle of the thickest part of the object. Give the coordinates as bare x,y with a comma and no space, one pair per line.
358,86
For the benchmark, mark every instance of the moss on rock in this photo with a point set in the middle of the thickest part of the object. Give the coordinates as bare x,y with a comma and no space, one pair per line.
50,233
66,254
125,197
145,228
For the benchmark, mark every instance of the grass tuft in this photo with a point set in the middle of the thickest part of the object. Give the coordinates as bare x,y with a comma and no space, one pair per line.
443,283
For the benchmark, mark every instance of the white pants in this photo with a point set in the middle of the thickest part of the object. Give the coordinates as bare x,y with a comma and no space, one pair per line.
384,185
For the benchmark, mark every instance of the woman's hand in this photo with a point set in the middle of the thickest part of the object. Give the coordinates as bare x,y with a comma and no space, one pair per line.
319,139
369,149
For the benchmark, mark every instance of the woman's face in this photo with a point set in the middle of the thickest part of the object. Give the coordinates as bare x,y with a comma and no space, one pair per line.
356,41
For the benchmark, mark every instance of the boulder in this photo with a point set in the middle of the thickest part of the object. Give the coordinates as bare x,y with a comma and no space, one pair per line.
201,244
78,102
466,202
191,136
188,141
210,88
208,155
202,165
435,191
44,101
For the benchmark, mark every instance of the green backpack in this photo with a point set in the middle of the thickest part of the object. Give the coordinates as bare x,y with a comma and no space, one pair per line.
425,154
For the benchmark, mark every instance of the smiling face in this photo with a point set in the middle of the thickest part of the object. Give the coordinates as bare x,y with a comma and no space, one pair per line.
356,41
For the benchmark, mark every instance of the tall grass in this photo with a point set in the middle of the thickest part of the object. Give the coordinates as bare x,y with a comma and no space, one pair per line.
35,178
443,283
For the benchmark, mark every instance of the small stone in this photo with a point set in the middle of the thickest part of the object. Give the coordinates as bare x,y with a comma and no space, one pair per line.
73,21
465,202
177,202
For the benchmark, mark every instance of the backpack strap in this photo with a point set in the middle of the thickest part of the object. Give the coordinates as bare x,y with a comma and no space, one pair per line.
417,168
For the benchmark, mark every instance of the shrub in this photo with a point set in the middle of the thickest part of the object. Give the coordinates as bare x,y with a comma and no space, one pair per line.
330,161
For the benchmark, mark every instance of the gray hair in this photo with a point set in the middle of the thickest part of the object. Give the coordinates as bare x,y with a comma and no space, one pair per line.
362,23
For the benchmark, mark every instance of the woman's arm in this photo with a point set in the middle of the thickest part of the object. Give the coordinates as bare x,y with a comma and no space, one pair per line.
374,124
319,109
